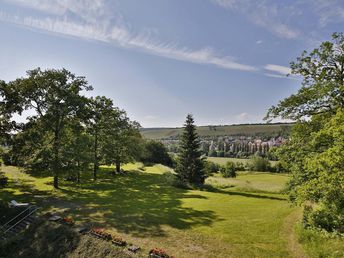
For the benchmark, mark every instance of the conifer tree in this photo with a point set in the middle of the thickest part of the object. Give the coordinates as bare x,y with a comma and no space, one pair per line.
190,167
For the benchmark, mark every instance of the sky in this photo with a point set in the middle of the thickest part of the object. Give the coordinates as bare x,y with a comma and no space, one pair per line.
224,61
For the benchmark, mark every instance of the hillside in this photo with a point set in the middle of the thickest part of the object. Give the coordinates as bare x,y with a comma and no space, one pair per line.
219,130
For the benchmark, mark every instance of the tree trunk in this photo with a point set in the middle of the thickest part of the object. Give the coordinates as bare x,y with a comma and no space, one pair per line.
95,163
118,166
56,148
78,175
56,181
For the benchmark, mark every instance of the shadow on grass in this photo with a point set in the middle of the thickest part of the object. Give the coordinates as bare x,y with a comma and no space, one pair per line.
140,204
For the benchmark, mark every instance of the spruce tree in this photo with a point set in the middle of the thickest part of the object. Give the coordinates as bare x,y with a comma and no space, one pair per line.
190,167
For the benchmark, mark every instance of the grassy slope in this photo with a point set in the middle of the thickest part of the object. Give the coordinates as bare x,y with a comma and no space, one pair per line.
143,209
251,182
159,133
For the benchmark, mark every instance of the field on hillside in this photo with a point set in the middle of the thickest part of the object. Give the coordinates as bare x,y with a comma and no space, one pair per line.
223,161
242,217
249,130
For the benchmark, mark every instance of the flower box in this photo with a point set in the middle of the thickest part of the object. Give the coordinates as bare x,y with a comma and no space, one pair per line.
118,241
159,253
68,221
100,233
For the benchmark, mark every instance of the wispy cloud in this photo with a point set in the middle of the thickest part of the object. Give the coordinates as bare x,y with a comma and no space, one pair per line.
282,70
265,14
114,32
328,11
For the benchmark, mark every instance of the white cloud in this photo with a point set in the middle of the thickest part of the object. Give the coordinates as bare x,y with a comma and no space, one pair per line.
119,34
279,69
265,14
258,42
93,20
328,11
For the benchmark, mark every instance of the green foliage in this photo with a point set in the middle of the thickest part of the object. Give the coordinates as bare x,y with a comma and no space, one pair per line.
320,244
190,168
260,164
315,152
210,167
67,131
155,152
228,170
322,88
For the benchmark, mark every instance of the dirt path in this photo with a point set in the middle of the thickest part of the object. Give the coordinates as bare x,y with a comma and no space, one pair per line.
288,233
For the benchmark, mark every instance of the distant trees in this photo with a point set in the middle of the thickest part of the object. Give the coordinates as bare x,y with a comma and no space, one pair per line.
315,152
190,166
156,152
66,131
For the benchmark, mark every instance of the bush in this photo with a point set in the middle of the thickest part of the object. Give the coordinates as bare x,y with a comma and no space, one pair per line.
280,168
210,167
323,217
156,153
239,166
260,164
228,170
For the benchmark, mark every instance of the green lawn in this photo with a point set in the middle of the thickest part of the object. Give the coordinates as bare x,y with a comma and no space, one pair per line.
223,161
232,220
251,182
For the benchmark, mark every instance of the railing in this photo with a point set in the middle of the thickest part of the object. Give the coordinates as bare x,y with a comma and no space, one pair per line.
6,227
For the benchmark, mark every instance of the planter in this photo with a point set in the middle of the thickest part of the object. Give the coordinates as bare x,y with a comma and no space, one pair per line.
68,221
102,236
119,243
158,253
155,256
100,233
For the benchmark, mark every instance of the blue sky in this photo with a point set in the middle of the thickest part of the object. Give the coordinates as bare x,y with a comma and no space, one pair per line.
222,60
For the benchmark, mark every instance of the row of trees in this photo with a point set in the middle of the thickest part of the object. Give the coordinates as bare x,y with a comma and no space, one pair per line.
65,131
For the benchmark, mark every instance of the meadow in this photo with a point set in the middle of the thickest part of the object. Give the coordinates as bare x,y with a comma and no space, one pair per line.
243,217
224,160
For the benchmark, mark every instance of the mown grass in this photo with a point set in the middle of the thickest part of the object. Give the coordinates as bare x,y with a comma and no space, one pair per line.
145,210
251,182
224,160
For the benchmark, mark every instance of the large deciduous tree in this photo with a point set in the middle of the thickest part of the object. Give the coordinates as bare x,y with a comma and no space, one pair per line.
55,97
102,115
315,150
190,167
122,140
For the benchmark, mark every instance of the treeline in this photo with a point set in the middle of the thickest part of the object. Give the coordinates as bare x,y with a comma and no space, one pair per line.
66,132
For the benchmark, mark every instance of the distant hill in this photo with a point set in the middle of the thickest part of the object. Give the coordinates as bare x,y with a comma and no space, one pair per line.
220,130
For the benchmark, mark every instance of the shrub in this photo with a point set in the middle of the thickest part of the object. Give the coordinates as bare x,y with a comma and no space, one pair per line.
260,164
156,153
323,217
210,167
239,166
228,170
